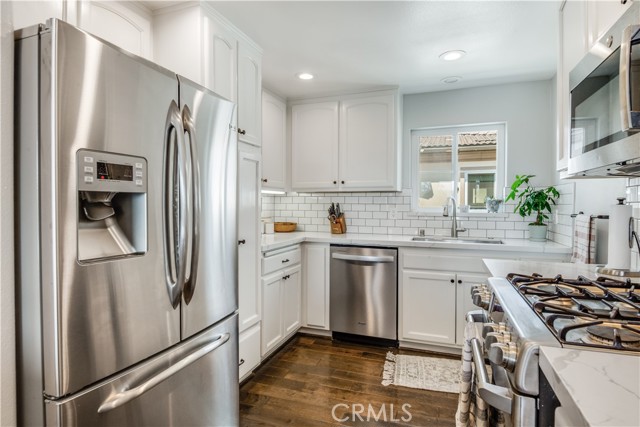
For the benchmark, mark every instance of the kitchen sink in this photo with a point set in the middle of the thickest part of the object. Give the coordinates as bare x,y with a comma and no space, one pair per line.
457,240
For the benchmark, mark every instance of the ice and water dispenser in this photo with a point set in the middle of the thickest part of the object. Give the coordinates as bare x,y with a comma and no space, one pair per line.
112,201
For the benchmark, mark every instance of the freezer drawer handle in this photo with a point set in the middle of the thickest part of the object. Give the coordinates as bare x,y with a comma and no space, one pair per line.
131,392
496,396
362,258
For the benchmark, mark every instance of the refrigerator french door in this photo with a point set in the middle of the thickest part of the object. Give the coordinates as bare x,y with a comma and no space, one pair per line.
127,248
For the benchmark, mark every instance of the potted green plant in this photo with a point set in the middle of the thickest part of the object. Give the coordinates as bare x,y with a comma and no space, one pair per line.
535,201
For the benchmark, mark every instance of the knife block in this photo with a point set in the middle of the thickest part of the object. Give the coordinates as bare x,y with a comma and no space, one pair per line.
336,228
343,223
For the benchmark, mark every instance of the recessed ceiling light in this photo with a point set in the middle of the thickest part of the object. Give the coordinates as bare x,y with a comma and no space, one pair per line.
305,76
451,79
452,55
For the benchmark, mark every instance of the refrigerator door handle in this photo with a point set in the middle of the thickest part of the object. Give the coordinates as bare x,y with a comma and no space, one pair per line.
194,209
175,182
131,391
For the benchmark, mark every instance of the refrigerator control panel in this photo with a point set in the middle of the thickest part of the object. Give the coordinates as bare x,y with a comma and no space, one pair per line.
110,172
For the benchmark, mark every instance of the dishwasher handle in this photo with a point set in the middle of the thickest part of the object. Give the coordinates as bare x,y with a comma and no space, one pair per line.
363,258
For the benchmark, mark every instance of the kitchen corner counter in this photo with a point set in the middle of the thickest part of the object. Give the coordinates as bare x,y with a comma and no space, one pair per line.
594,388
502,267
280,240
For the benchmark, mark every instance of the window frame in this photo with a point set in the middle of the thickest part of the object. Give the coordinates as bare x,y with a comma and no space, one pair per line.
454,130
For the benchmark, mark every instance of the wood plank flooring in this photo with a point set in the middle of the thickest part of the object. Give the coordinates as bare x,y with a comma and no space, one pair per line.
302,384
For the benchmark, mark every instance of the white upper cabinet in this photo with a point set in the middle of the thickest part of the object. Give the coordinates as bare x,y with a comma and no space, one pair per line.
350,144
194,40
249,94
602,15
314,146
274,147
368,152
222,48
125,24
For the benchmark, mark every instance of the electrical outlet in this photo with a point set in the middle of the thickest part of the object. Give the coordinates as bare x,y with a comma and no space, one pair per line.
393,213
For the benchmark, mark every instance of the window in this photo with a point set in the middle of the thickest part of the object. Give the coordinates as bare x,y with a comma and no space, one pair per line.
464,162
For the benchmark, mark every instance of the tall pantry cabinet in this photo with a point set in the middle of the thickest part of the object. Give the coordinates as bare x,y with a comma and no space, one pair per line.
194,40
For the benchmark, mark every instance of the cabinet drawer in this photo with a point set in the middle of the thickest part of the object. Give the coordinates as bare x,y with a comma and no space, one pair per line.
249,350
419,260
278,260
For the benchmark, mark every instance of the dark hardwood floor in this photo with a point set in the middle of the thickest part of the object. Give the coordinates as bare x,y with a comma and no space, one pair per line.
314,381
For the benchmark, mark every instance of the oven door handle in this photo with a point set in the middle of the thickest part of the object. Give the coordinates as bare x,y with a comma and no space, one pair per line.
496,396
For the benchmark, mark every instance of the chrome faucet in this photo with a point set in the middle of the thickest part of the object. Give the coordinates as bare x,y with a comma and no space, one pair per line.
454,220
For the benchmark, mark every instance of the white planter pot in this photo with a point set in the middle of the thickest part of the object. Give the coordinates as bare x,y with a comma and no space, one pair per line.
538,233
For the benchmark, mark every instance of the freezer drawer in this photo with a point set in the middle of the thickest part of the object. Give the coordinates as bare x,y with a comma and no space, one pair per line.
192,384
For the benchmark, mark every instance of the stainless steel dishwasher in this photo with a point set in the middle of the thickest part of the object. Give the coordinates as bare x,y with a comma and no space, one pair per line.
364,292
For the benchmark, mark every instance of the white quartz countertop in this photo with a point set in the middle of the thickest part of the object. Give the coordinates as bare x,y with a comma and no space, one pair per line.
594,388
502,267
280,240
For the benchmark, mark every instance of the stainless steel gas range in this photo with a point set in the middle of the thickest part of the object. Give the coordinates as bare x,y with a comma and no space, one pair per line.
522,312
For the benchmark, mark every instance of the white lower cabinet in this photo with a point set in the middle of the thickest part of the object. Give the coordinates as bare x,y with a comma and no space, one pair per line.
315,284
249,350
434,298
281,298
428,306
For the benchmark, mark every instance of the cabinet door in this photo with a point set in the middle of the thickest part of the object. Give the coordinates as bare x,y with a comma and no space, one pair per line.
368,143
314,146
222,60
602,15
122,23
316,285
464,283
291,299
573,46
248,239
248,351
272,331
249,94
274,154
428,307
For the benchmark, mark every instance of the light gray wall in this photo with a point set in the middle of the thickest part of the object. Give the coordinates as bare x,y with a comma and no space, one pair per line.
523,106
7,297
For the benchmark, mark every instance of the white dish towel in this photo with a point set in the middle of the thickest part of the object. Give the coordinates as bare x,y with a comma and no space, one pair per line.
584,240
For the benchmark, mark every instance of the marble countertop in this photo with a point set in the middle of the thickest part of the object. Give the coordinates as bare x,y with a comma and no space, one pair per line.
502,267
280,240
595,388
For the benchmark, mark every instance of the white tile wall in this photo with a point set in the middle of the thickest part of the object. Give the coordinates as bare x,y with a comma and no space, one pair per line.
390,213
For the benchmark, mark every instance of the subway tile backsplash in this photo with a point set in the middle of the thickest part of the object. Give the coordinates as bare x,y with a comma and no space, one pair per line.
390,213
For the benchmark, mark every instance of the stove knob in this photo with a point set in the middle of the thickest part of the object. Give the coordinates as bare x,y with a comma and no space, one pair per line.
489,327
492,338
503,354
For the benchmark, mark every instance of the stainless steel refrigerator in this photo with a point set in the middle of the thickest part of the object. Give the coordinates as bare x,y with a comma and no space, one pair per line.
126,208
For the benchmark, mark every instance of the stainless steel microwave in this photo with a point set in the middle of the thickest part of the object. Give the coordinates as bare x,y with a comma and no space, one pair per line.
605,104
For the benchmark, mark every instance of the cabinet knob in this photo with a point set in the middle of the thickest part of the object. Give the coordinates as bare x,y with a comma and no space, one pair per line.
453,281
609,41
623,1
264,179
459,281
242,131
335,182
342,182
242,242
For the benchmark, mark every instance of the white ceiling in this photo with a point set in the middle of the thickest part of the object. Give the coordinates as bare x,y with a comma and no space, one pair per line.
359,45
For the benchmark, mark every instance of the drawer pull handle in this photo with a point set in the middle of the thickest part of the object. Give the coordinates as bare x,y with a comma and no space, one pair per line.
285,261
286,277
241,362
242,131
242,242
